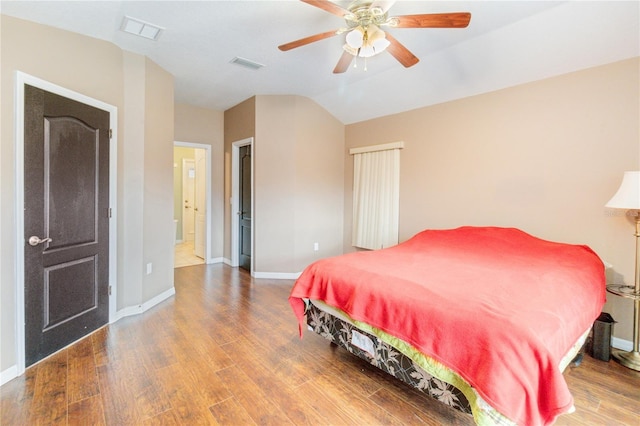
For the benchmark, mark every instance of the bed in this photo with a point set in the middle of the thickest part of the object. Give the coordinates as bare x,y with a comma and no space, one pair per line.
482,318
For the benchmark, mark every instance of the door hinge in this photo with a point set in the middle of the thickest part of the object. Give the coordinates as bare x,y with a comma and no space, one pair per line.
110,213
110,133
109,290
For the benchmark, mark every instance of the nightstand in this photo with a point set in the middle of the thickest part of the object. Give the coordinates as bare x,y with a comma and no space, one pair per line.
628,359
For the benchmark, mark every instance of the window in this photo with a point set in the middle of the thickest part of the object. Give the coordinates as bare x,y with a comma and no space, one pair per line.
376,195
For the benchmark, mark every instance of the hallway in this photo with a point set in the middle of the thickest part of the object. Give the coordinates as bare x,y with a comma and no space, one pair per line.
184,255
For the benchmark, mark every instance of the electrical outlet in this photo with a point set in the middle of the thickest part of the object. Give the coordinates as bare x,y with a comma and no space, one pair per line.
316,246
149,268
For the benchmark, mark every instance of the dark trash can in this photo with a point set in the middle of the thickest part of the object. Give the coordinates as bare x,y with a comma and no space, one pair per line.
602,331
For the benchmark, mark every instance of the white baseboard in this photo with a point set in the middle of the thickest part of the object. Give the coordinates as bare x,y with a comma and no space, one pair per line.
215,260
137,310
625,345
8,374
269,275
277,275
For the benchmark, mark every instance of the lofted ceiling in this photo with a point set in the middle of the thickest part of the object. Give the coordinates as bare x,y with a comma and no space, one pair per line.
507,43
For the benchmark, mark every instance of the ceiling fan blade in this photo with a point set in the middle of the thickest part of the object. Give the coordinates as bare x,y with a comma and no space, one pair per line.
307,40
401,53
327,6
434,20
343,63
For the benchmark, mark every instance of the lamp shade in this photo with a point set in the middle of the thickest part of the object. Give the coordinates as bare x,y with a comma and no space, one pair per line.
628,195
355,38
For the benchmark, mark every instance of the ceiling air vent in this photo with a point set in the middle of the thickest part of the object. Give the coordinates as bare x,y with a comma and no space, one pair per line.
140,28
247,63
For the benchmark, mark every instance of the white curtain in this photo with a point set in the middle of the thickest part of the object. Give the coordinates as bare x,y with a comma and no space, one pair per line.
376,197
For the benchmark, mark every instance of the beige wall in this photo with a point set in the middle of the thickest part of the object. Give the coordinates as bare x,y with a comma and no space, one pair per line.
205,126
158,181
299,170
544,157
319,177
239,124
131,181
145,183
298,180
274,157
101,71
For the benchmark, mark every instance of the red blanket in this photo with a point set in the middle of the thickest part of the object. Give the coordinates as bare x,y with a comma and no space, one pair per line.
496,305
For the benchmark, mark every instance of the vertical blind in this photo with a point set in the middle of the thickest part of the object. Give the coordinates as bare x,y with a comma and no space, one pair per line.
376,195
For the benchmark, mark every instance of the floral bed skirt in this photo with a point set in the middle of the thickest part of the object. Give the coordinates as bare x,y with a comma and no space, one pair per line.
384,356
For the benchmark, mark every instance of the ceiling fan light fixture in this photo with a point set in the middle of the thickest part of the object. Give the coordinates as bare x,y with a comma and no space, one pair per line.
367,51
376,38
355,38
366,42
381,44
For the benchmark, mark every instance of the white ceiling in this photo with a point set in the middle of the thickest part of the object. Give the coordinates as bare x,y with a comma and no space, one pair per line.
506,43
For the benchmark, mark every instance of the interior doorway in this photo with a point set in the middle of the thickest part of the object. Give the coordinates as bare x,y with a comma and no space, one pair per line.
67,256
192,217
242,210
21,81
244,207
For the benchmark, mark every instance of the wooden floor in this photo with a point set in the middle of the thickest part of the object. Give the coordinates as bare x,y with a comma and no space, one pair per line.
225,350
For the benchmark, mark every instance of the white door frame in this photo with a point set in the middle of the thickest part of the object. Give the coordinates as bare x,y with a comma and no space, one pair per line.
21,80
235,202
207,155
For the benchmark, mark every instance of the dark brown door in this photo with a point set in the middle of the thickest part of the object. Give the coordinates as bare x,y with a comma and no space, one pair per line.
66,221
245,207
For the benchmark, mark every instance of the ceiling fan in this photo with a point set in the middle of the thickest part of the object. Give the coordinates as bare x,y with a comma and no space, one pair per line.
365,38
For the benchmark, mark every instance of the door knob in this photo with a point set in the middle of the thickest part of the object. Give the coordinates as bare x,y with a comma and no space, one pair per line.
34,241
